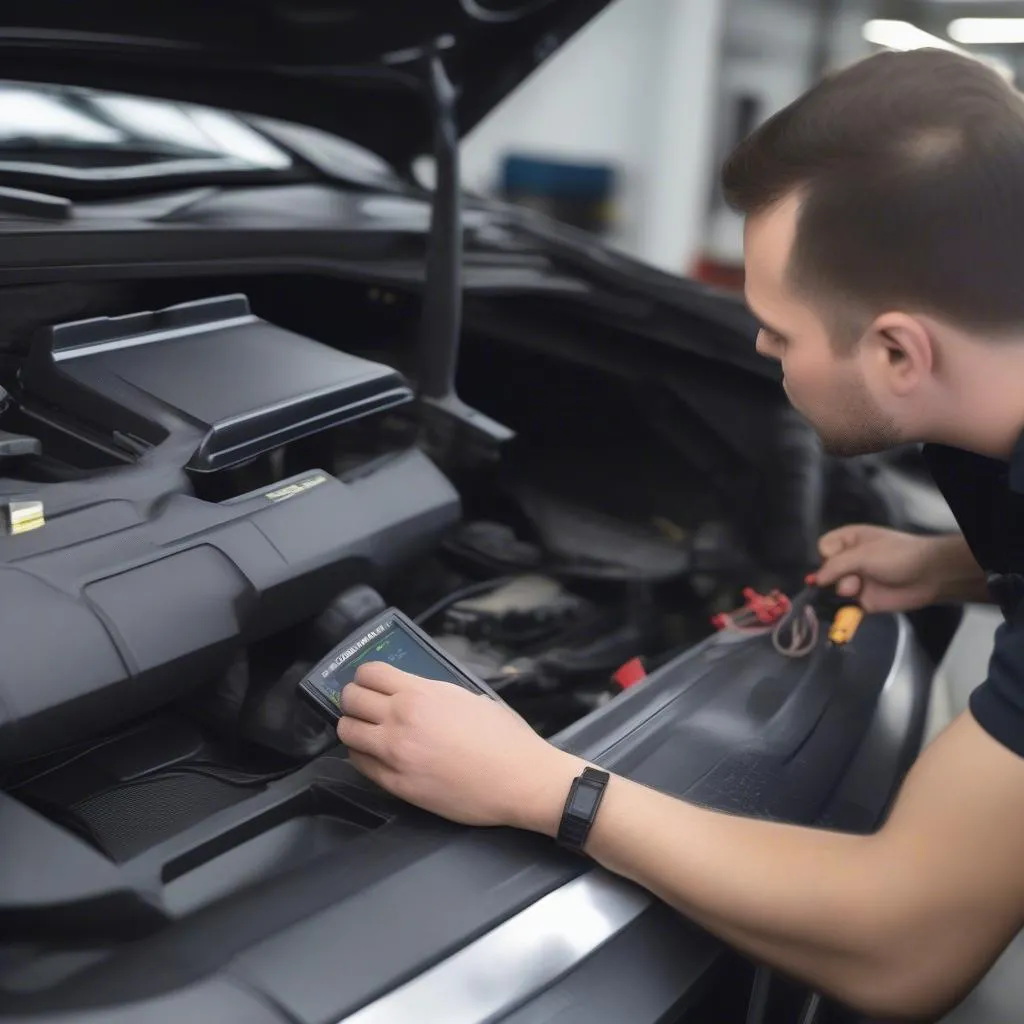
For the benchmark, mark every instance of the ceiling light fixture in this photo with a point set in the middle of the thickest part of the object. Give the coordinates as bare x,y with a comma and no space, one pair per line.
987,31
902,35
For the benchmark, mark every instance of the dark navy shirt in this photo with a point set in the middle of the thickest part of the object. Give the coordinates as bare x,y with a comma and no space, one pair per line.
987,498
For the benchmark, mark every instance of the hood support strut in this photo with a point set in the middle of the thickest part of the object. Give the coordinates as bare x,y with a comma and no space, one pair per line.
450,428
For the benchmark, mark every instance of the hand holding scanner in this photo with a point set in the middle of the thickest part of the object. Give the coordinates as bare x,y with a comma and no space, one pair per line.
391,637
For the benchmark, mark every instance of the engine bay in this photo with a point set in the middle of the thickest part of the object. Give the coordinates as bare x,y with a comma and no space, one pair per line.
218,480
223,492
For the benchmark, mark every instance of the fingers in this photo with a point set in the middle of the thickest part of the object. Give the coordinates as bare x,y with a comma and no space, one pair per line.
359,702
832,543
384,678
373,768
362,737
842,570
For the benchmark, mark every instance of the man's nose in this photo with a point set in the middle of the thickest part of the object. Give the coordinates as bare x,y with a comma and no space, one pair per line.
764,346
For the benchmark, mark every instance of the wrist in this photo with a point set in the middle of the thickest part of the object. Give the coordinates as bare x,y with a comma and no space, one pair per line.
542,799
956,575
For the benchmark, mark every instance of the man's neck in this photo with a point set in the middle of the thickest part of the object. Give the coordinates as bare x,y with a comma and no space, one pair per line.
992,436
984,410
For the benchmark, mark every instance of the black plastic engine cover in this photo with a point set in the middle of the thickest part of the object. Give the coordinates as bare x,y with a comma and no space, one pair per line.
244,386
117,608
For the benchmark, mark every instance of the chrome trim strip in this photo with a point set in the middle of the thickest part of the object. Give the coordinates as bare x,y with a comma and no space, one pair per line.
518,958
893,710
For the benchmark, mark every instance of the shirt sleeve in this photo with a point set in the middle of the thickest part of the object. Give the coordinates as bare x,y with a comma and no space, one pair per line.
998,703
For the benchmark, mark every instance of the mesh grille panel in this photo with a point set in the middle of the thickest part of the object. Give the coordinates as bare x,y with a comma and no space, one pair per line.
132,818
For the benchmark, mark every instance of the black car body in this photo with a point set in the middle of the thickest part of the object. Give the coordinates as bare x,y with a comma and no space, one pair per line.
232,421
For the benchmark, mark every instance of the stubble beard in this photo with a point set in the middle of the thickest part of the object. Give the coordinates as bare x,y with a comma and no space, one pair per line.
859,427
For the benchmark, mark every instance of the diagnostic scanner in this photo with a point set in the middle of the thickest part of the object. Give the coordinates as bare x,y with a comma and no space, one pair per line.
391,637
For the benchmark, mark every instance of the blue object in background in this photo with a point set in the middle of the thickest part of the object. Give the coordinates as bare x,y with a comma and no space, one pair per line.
579,194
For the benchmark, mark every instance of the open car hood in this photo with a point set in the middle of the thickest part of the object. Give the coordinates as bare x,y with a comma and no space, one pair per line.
352,67
401,78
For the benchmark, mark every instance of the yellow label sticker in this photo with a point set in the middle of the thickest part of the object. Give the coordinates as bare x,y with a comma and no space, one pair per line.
23,516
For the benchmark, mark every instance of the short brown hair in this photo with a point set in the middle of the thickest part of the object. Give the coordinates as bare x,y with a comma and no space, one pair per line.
911,168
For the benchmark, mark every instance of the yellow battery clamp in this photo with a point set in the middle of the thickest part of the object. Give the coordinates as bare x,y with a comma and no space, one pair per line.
845,624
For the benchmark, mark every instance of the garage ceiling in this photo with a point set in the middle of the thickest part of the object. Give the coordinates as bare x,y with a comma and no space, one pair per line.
937,14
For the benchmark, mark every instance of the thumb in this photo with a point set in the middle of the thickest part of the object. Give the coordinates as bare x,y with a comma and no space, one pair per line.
383,677
840,568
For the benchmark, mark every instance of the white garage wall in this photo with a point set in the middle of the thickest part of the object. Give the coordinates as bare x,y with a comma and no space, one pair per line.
634,89
766,53
646,87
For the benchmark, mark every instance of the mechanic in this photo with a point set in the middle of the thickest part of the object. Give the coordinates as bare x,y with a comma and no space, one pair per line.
884,235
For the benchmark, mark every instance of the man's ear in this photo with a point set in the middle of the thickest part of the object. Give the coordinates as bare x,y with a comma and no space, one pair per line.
902,350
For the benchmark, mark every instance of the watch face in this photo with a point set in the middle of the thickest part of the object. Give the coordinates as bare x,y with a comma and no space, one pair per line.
585,801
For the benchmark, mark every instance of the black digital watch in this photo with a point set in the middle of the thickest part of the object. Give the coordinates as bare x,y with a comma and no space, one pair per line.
581,808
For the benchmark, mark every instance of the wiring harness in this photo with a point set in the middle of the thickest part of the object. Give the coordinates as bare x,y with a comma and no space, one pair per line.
792,623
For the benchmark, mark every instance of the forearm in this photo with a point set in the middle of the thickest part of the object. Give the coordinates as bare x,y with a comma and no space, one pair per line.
762,885
798,899
896,924
960,577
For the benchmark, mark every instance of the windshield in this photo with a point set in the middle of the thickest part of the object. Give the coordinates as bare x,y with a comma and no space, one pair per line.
88,135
